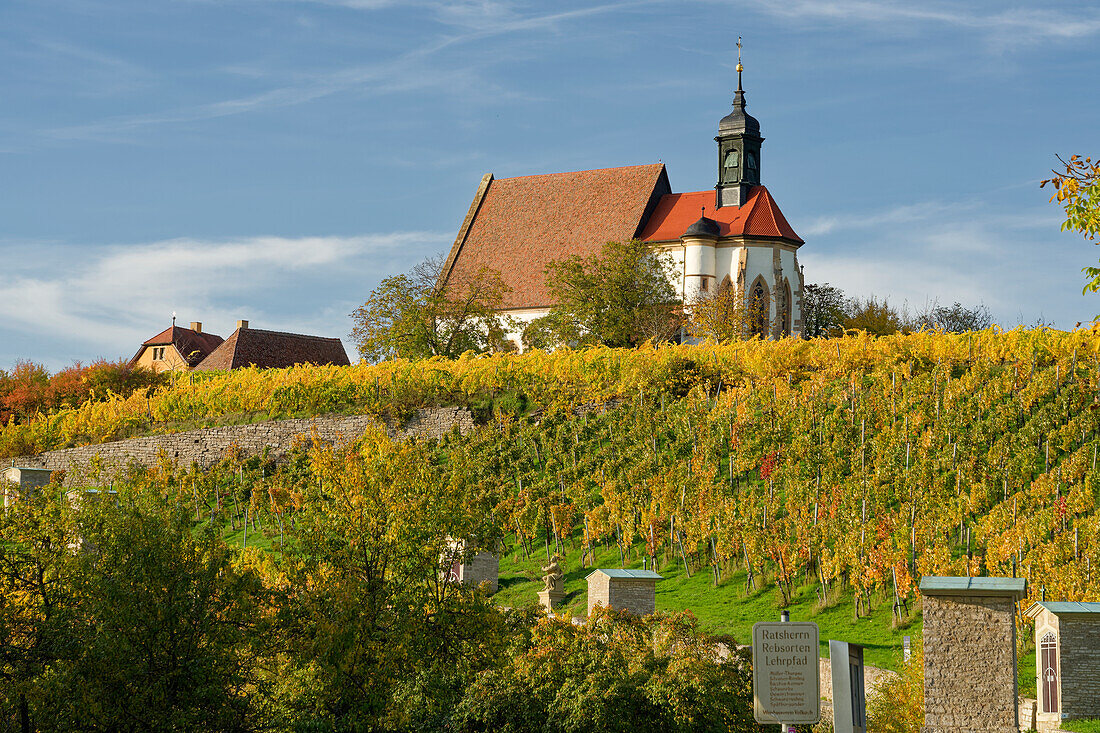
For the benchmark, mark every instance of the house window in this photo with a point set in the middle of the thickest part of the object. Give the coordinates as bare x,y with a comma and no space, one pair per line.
158,353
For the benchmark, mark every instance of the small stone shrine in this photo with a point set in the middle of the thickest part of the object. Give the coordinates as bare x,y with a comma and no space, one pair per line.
553,586
627,590
1067,662
472,568
22,483
970,654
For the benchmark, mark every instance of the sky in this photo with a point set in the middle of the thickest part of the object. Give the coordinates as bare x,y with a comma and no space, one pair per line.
274,160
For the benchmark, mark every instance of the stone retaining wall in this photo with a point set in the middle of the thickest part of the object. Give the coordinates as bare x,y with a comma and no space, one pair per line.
962,635
208,446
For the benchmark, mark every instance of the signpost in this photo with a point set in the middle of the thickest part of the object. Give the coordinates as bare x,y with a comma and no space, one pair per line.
785,684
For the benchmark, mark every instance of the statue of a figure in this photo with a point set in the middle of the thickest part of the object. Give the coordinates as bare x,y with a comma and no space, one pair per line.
552,580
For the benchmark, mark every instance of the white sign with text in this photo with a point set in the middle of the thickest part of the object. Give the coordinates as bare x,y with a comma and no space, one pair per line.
785,683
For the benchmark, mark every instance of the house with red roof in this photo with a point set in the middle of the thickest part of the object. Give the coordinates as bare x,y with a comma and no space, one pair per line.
733,236
257,347
176,348
185,349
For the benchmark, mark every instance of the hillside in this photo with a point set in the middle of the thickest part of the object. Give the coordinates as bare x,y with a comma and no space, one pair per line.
835,472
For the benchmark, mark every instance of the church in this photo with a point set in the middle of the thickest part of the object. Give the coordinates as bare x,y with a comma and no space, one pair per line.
733,236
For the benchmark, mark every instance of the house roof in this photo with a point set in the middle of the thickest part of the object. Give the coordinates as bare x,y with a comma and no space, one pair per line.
959,586
1062,608
517,226
626,573
272,350
759,217
193,346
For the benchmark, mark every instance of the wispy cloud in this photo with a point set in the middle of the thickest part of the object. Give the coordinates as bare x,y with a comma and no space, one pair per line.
116,296
408,72
1021,26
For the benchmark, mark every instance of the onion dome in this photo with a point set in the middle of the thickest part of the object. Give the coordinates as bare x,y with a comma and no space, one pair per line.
704,228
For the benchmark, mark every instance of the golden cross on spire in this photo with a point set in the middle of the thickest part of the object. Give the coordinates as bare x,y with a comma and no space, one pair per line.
739,66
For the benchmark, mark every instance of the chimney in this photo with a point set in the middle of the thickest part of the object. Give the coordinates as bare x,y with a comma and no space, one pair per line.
196,326
242,325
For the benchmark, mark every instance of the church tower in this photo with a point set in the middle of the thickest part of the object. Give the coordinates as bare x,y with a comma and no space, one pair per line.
738,150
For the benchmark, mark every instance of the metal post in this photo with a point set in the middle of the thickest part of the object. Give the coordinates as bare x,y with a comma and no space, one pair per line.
785,617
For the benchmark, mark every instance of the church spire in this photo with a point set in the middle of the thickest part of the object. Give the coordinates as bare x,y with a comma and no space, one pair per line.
738,149
740,68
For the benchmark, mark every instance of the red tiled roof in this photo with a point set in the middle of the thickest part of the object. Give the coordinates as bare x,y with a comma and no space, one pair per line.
273,350
519,225
759,217
193,346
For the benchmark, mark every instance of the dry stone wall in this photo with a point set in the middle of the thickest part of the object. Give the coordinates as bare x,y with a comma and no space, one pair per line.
962,635
1080,673
208,446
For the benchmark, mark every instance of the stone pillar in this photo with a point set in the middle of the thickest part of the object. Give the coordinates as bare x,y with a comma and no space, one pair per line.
550,599
970,654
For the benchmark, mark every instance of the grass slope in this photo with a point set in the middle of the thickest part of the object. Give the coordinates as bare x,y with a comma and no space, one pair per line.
725,609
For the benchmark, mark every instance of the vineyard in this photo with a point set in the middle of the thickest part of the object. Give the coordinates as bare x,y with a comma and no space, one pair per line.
853,466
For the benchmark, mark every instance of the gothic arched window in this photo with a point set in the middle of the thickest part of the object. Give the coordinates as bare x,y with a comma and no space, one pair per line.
1048,652
783,308
759,307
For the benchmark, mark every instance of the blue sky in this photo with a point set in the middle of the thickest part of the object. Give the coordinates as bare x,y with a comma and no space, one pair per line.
275,159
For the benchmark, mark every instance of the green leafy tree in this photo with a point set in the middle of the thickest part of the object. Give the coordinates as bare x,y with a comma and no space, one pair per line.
418,315
381,638
822,311
164,625
622,297
119,617
37,571
1077,189
617,672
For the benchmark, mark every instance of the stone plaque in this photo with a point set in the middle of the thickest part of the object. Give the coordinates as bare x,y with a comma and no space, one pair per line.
785,683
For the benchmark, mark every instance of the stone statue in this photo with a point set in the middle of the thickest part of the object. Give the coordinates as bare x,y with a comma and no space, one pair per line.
551,582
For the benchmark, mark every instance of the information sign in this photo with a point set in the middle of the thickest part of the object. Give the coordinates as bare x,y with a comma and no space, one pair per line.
785,684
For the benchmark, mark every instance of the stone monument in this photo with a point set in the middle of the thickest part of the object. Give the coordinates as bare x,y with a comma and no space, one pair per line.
553,587
970,654
1067,661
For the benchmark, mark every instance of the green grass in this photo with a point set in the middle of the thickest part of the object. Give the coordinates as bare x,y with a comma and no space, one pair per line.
1084,725
725,609
1025,668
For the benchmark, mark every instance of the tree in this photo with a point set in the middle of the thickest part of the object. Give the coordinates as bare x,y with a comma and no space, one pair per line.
617,672
415,315
622,297
874,316
721,315
955,318
1077,188
121,617
822,310
382,638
